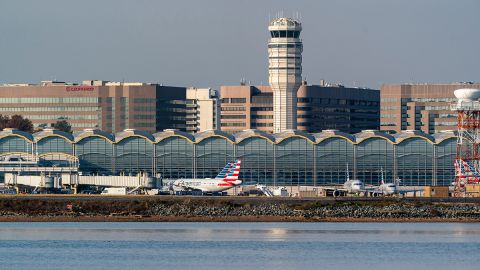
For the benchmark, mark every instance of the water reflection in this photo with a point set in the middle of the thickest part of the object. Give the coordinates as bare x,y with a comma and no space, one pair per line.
238,231
275,246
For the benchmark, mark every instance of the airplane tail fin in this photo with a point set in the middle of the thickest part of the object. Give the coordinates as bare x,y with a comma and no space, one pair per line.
233,172
224,171
382,181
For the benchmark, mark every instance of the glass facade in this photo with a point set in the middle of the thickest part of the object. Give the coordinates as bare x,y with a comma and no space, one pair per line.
445,153
333,156
50,100
54,144
211,155
132,155
174,158
15,144
257,156
294,162
96,155
283,159
415,162
374,155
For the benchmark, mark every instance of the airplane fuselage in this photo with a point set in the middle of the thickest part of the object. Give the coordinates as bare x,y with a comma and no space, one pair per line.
388,189
206,185
354,186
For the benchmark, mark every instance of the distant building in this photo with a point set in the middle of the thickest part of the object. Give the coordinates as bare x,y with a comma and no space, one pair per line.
424,107
319,108
202,109
110,106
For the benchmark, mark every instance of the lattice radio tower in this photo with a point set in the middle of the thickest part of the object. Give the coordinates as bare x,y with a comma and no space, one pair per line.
467,167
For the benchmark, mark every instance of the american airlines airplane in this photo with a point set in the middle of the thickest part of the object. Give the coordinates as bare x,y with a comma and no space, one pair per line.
226,179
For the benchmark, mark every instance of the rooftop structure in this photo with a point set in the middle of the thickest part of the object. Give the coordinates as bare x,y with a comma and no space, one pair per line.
203,109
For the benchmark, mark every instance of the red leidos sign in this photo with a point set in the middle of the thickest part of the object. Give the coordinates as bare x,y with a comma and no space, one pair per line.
80,88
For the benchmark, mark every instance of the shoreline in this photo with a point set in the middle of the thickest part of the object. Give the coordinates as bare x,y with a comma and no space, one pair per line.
231,209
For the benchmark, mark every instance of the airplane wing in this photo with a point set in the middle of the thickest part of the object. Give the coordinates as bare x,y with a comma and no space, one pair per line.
403,190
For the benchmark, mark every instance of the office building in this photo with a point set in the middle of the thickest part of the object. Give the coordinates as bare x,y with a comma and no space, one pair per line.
110,106
202,109
285,70
319,107
424,107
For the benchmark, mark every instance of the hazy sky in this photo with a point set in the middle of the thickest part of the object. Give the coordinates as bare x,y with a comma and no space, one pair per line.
212,43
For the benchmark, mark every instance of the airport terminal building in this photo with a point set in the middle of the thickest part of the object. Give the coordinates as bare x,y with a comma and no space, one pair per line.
287,158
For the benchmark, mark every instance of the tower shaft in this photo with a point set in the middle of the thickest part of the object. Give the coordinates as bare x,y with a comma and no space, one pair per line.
285,71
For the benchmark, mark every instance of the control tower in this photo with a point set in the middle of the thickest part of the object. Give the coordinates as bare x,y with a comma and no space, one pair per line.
285,70
467,166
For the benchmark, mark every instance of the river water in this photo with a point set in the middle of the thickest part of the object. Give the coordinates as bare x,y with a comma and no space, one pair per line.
239,246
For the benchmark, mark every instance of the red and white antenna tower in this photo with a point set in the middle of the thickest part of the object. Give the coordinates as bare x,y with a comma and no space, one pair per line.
467,167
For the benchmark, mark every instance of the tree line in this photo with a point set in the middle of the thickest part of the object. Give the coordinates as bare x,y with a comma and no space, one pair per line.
24,124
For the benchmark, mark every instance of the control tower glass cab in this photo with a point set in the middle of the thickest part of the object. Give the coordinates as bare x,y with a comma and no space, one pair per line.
285,71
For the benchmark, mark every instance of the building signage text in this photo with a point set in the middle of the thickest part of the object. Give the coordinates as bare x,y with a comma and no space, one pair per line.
80,88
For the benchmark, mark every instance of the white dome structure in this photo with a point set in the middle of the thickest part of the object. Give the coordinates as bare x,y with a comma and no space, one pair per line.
467,94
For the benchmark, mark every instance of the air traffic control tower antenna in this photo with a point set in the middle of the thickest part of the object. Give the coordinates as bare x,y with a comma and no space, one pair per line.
467,167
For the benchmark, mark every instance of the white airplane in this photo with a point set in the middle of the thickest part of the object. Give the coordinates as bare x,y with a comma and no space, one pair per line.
349,187
388,189
226,179
384,189
357,187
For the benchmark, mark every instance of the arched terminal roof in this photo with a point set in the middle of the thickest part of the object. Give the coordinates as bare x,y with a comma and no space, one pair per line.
92,133
332,133
444,135
15,132
235,138
370,133
49,132
408,134
213,133
248,133
159,136
119,136
293,133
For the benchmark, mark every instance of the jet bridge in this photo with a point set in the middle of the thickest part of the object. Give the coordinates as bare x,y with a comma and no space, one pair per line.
74,180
